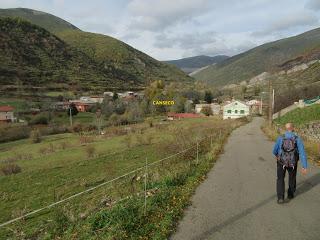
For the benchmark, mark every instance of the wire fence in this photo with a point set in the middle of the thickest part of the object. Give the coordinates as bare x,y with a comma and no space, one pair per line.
140,181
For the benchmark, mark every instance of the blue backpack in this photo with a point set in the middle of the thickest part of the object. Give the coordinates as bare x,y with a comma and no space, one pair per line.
289,152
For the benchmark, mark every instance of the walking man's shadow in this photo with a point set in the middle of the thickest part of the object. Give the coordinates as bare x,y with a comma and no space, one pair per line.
308,184
302,187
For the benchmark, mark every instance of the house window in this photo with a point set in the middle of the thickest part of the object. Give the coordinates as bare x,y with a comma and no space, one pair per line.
235,111
229,111
242,111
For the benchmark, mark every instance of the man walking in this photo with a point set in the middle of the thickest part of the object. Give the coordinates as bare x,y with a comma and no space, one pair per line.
288,149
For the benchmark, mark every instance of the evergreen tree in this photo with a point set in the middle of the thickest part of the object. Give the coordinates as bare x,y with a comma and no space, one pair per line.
208,96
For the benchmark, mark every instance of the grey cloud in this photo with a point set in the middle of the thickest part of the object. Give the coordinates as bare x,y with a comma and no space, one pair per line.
288,22
162,14
185,41
221,48
313,5
208,43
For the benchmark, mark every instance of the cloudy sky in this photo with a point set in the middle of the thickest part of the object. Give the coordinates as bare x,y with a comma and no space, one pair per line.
171,29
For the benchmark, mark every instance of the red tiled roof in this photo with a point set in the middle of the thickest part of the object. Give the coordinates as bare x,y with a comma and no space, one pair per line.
183,115
6,109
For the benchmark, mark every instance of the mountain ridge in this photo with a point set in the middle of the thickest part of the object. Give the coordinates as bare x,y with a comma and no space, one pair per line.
263,58
191,64
109,53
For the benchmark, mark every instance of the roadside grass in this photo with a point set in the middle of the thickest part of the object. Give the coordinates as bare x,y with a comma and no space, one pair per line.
301,116
57,175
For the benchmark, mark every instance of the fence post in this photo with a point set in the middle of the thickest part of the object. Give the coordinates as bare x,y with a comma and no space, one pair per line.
197,152
145,187
211,141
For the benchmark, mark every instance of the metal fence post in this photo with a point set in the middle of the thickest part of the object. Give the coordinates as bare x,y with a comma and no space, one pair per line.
197,152
145,187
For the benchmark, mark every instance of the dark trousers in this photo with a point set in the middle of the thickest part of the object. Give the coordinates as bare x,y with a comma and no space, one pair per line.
281,173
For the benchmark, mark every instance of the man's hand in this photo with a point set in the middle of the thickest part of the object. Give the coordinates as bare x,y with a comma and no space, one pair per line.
303,171
277,158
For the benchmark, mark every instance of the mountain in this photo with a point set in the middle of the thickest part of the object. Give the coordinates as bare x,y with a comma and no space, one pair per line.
264,58
31,56
132,65
192,64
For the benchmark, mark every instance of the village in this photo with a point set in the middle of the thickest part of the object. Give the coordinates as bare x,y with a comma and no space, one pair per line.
229,109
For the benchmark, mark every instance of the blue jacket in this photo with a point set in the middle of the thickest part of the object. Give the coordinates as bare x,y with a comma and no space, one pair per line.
301,151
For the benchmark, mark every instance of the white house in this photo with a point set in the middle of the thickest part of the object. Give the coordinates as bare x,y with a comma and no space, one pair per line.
109,94
216,108
6,114
235,109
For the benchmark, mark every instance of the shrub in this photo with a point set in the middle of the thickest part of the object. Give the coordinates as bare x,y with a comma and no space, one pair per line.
39,119
64,145
10,168
85,139
35,136
115,131
148,139
90,150
149,122
114,119
60,222
144,139
77,128
43,150
128,140
206,110
12,133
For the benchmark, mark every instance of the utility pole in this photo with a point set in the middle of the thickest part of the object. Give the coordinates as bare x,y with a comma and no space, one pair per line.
70,115
270,102
261,105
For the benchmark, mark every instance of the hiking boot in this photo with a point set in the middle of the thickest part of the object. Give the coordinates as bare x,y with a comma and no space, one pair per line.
290,196
280,201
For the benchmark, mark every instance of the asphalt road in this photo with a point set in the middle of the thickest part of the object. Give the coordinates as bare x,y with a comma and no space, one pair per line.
238,200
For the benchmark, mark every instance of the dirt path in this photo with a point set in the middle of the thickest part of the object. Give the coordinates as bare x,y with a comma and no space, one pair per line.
238,200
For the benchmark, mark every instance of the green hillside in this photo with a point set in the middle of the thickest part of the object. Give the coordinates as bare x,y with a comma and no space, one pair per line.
112,53
32,56
260,59
125,62
42,19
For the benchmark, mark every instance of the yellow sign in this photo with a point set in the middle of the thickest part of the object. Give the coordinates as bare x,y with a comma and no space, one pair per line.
163,102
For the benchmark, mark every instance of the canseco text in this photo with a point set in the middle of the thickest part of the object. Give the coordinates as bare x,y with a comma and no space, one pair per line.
165,103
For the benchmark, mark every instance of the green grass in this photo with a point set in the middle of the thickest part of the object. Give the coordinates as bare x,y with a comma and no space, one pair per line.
301,116
18,104
82,117
63,172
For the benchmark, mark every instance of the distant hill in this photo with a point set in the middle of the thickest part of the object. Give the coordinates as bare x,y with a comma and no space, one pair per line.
33,57
121,60
264,58
192,64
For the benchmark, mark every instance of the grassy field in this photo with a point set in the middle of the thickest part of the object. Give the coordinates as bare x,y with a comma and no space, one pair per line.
62,165
301,116
18,104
